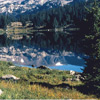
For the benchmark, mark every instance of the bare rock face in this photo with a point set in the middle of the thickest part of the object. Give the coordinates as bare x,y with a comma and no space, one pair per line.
8,77
1,92
21,6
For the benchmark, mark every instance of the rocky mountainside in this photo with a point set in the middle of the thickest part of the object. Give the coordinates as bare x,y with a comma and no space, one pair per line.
37,56
22,6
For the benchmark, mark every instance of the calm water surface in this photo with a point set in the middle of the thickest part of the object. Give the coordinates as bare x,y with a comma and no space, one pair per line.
42,48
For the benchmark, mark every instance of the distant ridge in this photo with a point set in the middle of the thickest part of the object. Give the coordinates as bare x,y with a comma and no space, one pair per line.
25,6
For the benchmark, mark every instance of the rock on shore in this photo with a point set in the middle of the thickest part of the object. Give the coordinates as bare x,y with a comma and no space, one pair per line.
8,77
1,92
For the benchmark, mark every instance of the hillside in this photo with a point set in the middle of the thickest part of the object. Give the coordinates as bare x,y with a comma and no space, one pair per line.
23,6
60,16
39,84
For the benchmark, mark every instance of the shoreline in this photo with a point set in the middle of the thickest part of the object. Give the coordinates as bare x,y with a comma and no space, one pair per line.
67,67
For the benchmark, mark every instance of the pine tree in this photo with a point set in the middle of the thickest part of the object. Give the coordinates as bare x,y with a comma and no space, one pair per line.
91,73
55,23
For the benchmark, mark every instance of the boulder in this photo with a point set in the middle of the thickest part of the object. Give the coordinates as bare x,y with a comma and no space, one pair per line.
1,92
78,77
8,77
12,66
43,67
72,72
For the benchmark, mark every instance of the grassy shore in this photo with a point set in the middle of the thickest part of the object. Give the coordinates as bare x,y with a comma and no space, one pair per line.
39,84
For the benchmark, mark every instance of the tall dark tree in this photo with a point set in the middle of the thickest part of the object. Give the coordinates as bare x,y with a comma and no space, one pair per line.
55,23
91,74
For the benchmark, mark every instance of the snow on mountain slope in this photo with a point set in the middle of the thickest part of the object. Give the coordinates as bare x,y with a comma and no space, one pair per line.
21,6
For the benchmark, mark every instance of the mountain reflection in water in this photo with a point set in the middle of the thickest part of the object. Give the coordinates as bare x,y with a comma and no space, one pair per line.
45,48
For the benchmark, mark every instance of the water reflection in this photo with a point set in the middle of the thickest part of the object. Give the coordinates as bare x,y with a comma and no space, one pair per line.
41,48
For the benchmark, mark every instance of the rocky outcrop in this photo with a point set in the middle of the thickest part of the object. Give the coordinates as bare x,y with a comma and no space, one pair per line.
1,92
72,72
77,77
29,55
12,67
8,77
23,6
43,67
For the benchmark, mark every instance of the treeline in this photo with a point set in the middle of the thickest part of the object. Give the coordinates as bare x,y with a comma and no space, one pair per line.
5,20
58,17
52,18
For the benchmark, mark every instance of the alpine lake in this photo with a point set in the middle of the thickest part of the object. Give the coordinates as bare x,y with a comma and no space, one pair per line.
54,49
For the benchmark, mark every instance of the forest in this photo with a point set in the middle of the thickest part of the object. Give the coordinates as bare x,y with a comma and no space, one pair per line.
52,18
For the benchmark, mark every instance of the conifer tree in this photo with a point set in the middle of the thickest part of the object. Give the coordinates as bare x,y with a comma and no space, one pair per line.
91,73
55,23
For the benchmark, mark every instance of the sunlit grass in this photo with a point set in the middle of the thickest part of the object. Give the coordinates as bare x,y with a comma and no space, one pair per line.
39,84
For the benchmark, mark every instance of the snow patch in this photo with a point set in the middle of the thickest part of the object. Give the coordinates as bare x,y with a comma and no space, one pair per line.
58,64
22,60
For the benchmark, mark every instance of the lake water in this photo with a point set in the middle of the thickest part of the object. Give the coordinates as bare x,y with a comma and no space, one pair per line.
62,67
42,48
68,68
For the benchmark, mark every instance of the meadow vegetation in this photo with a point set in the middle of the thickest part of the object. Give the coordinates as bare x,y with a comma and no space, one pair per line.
39,84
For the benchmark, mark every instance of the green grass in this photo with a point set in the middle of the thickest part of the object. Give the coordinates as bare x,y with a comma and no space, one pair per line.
39,84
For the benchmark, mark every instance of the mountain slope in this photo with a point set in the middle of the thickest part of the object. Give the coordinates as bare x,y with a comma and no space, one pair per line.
21,6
